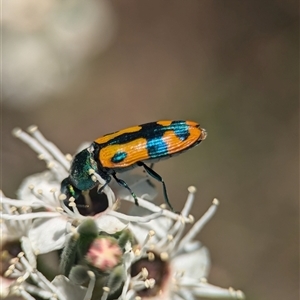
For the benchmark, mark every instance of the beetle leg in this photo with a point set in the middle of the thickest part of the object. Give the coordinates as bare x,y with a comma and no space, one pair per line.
108,179
148,180
156,176
125,185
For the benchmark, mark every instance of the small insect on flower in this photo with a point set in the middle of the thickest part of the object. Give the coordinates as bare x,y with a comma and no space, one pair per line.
129,148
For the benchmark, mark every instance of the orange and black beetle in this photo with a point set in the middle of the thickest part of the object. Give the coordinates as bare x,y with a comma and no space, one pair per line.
128,148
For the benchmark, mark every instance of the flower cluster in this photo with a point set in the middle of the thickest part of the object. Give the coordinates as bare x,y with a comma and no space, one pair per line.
58,248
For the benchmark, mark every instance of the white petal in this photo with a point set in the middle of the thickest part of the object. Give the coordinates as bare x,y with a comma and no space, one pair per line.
11,230
43,182
138,183
27,249
139,232
195,264
68,289
109,224
160,226
47,235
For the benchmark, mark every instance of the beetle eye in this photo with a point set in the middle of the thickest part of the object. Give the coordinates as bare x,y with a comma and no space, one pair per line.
68,189
71,190
90,203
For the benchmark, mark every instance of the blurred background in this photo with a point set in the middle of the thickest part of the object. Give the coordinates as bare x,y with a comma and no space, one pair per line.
81,69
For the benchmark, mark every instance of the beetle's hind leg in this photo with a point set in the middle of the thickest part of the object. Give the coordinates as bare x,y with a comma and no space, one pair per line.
156,176
126,186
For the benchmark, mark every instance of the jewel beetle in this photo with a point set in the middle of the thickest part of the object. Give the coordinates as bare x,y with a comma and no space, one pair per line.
129,148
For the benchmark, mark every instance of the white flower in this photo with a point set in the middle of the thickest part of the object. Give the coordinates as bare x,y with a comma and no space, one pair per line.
169,265
159,263
23,267
49,220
